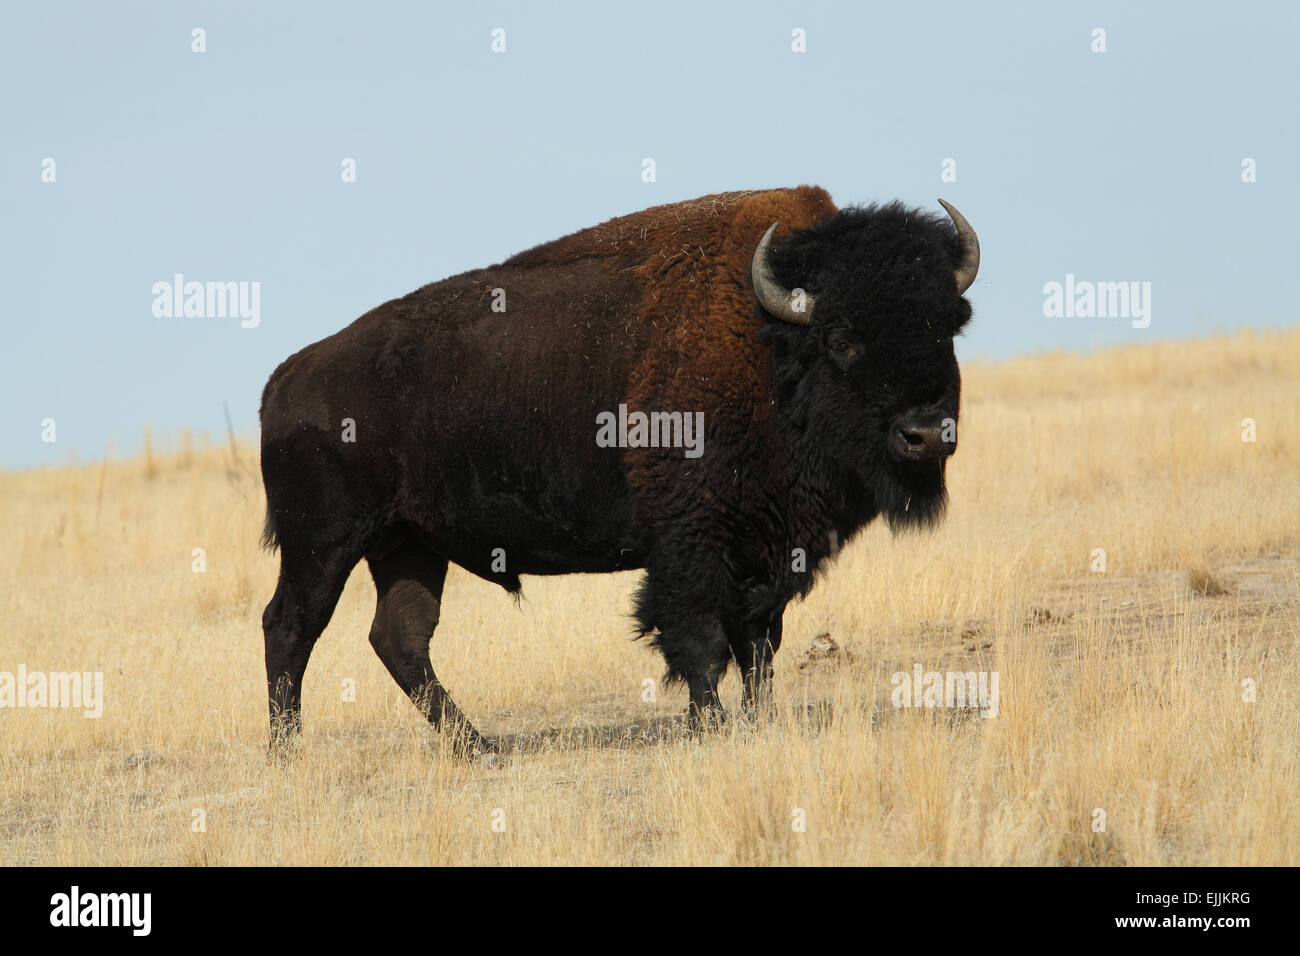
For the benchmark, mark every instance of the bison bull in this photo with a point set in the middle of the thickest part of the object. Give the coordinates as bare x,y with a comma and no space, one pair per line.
472,422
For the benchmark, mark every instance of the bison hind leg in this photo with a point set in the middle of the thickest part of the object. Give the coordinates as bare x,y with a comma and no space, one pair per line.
308,588
408,580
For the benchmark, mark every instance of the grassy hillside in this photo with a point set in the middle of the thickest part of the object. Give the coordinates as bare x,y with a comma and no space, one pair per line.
1121,691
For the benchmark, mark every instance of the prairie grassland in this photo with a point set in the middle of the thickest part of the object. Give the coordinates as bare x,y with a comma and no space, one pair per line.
1121,691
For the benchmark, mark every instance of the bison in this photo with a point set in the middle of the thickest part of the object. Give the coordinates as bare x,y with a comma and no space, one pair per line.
720,392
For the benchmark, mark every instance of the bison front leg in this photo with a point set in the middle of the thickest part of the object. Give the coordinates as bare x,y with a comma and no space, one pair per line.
752,647
697,652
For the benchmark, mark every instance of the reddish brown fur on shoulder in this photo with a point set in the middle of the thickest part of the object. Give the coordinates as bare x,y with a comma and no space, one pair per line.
691,261
694,260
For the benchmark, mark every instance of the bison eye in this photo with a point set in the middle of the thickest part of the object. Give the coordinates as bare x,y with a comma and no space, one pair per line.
843,350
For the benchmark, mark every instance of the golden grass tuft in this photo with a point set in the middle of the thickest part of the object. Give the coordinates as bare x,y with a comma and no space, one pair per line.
1202,582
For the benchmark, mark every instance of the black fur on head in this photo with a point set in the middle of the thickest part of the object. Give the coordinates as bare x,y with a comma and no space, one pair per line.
878,349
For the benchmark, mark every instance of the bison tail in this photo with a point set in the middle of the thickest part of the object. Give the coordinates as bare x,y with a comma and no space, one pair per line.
270,540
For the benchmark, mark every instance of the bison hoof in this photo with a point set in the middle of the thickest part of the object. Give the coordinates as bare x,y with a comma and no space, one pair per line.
709,720
284,750
468,744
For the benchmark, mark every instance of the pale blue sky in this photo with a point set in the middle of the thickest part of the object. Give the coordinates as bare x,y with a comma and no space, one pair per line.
225,165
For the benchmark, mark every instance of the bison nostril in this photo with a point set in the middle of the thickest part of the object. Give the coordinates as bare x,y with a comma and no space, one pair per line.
917,442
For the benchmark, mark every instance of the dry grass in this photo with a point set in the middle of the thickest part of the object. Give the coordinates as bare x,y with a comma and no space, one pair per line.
1121,691
1203,583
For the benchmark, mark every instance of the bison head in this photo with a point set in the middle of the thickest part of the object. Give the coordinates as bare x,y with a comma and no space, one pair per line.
867,304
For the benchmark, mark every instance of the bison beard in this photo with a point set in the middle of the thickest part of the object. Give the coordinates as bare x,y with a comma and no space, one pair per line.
915,502
473,432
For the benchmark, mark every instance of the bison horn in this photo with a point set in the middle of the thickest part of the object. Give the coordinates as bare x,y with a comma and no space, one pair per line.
773,296
970,245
